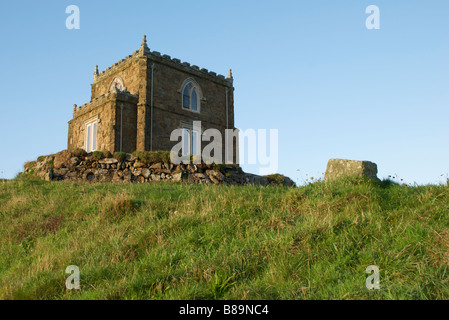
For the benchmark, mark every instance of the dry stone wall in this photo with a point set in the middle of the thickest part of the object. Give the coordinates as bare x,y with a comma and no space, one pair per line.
64,166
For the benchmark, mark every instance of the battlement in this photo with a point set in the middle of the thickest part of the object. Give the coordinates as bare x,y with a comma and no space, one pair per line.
166,59
121,95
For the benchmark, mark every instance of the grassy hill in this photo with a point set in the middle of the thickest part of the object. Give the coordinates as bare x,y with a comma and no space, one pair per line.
186,241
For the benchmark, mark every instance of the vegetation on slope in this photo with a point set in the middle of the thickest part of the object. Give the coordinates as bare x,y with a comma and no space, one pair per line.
187,241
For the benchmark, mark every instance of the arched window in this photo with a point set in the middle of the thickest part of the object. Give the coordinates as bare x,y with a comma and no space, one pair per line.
191,95
117,85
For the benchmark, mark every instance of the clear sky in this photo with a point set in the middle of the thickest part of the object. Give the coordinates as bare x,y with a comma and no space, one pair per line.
310,69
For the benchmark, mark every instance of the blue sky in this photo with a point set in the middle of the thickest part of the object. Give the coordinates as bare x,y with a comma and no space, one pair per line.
311,69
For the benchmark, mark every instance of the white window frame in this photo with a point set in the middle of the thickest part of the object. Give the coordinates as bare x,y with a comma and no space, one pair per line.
188,136
91,133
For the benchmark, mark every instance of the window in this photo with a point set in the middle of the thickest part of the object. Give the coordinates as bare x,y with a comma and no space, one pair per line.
117,85
91,136
190,142
191,95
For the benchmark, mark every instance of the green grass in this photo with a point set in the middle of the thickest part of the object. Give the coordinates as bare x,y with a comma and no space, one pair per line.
186,241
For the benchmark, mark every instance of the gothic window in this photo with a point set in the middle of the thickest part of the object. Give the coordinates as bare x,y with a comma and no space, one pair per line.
191,95
117,85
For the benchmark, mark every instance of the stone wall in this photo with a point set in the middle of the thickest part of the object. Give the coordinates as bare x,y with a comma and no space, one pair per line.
64,166
106,110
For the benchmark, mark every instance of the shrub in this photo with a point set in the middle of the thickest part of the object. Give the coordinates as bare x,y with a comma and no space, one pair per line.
79,152
97,155
107,154
29,164
50,164
276,178
120,156
219,167
139,155
150,157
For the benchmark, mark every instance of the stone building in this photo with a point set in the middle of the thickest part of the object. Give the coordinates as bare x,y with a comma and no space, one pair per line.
139,101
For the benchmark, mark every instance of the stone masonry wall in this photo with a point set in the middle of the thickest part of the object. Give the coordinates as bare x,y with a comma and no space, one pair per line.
103,110
64,166
169,75
107,111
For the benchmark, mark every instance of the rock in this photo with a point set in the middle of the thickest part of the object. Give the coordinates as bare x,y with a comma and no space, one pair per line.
177,176
337,168
289,182
74,161
61,159
61,171
201,176
160,171
127,176
216,174
256,180
155,177
137,172
130,157
47,175
146,173
139,164
108,161
156,166
213,179
101,172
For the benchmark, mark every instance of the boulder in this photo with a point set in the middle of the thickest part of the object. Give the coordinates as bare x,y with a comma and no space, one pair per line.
61,159
108,161
74,161
256,180
139,164
146,173
130,157
46,175
337,168
156,166
289,182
